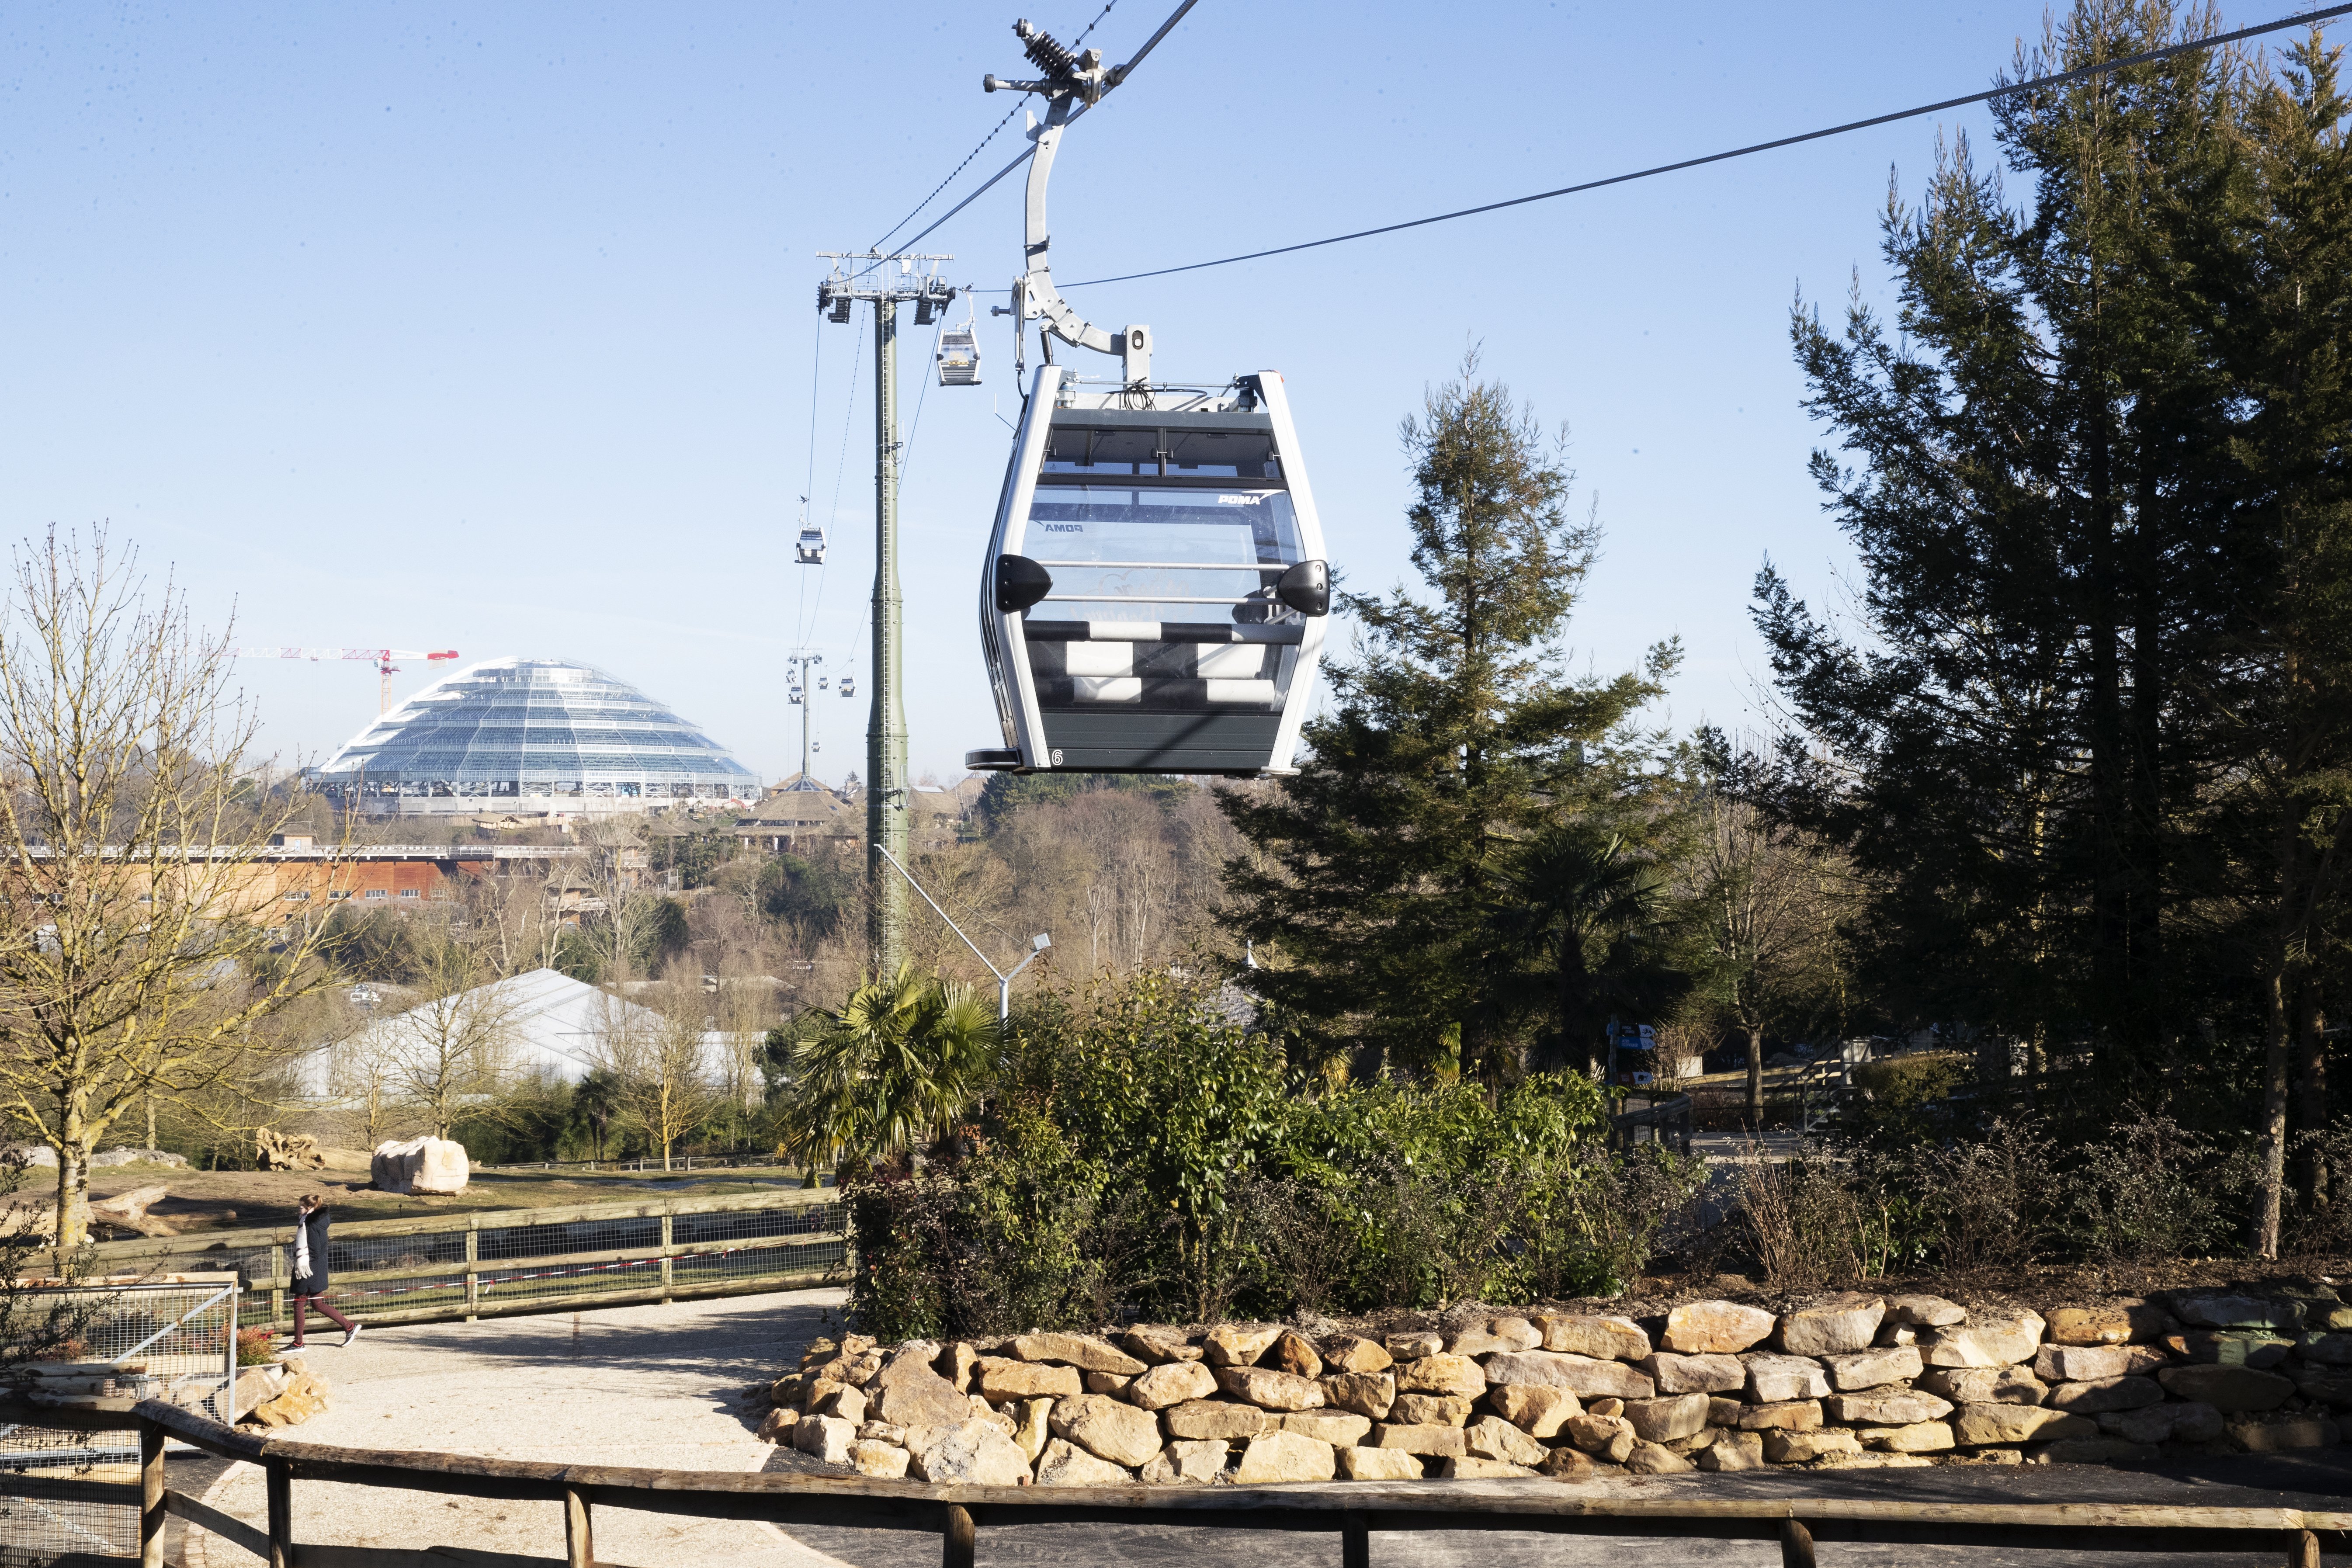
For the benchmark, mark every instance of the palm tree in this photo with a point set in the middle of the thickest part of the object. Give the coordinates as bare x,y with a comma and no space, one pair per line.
1594,916
893,1068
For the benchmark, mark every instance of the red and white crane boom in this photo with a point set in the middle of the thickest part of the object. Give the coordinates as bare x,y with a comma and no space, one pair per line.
381,658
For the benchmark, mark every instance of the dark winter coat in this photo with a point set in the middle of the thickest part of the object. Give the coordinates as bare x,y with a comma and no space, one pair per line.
314,1228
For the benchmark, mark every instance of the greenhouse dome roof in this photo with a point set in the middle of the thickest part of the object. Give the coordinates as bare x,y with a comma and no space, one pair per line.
506,728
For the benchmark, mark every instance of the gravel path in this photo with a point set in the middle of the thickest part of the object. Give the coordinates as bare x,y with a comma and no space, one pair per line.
660,1386
657,1386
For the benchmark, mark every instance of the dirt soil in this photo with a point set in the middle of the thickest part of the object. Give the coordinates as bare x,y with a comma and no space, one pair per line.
253,1200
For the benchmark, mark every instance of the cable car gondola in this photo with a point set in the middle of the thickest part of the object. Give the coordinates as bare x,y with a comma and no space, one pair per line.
959,355
1155,591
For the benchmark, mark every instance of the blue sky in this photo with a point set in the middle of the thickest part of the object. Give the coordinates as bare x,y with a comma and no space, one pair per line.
492,327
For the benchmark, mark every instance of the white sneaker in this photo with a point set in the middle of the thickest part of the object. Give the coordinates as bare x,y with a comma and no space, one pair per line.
352,1335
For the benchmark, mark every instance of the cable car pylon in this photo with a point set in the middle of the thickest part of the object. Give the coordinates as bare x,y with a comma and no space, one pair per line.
1170,529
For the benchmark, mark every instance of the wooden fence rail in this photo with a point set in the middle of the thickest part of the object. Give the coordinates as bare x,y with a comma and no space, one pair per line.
462,1257
957,1514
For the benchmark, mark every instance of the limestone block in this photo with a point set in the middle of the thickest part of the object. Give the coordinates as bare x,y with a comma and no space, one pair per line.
1663,1420
1159,1344
1293,1353
1594,1433
908,1393
1772,1378
1585,1376
2226,1310
1789,1416
1171,1383
1285,1456
1984,1385
2079,1363
1716,1327
2091,1397
825,1437
1979,1424
1612,1409
426,1165
1495,1334
955,1364
1353,1352
1727,1453
1919,1437
981,1410
776,1427
1414,1344
1887,1407
1566,1465
303,1396
1338,1428
1987,1339
2279,1434
1081,1350
1106,1383
1107,1427
1833,1325
844,1401
1379,1465
1676,1373
2141,1360
1208,1418
1239,1344
2226,1388
1468,1467
1797,1447
1435,1441
997,1379
1441,1374
1492,1438
1925,1312
1874,1368
1032,1426
883,1461
1534,1410
1601,1338
2231,1347
1065,1464
2174,1421
1193,1462
1270,1390
2327,1349
1365,1393
1431,1409
976,1453
2327,1385
2108,1323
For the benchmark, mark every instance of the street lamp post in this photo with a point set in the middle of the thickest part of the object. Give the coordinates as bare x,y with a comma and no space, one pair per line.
1037,943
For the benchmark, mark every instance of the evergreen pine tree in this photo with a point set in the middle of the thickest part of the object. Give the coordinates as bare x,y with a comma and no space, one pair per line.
1454,735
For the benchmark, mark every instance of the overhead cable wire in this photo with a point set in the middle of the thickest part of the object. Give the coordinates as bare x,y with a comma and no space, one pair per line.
976,151
2059,79
833,517
808,485
1117,76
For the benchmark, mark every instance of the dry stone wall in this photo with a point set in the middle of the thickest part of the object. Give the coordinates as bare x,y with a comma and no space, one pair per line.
1712,1386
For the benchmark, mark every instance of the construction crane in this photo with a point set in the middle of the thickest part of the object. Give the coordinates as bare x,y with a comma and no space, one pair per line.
381,658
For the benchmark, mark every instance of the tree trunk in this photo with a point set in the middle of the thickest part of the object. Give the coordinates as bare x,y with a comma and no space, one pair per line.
2275,1054
2311,1101
1756,1079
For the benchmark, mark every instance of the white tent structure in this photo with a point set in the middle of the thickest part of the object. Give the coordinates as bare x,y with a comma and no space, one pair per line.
540,1021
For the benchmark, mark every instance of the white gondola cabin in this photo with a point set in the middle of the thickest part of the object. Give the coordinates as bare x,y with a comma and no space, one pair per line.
1155,590
958,356
809,548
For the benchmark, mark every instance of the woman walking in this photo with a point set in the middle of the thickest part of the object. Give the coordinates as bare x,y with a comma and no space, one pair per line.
311,1269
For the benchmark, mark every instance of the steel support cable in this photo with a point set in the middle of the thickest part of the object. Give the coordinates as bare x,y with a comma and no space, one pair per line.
984,140
832,518
808,485
2080,73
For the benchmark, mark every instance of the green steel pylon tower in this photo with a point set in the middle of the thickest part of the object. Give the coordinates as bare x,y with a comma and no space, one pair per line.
885,282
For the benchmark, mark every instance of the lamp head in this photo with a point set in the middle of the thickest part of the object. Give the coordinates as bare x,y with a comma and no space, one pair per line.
1040,943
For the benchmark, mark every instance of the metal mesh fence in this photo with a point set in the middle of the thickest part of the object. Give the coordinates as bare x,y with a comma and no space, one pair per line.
61,1496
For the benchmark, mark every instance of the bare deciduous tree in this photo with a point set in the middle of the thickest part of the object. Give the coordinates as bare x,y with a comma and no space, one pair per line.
143,942
659,1064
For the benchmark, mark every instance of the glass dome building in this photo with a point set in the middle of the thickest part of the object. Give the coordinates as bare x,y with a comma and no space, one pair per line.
531,734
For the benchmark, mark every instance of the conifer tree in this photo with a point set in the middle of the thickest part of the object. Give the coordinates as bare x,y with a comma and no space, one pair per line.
1453,735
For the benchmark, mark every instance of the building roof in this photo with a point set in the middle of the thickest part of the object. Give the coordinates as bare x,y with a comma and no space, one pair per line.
536,727
549,1019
